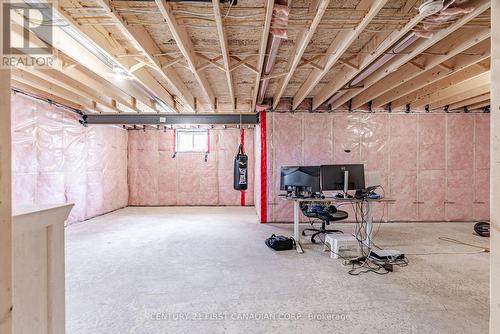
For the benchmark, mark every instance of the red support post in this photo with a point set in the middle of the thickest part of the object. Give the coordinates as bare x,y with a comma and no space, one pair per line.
263,167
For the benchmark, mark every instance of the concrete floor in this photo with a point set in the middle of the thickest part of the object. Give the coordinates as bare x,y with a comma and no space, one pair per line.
207,270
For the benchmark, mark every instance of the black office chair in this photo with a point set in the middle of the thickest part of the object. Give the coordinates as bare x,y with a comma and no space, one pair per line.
325,213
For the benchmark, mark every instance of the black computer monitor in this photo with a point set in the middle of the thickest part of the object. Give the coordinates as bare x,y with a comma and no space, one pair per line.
332,177
300,176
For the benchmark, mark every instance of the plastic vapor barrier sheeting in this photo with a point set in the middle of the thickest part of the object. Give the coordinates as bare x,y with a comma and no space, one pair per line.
435,165
155,177
56,160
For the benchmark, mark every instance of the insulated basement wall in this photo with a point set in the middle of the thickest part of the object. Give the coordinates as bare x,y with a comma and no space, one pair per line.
435,165
158,179
56,160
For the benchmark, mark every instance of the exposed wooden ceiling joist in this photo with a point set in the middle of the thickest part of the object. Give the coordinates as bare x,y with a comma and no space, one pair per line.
225,50
262,49
47,94
78,73
479,7
370,52
109,102
460,87
411,83
407,71
299,49
113,51
153,58
483,89
185,45
470,102
66,83
143,41
438,85
339,45
33,81
453,89
89,79
479,105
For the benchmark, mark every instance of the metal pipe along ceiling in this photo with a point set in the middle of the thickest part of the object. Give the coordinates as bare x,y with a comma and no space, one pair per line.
399,47
444,16
271,57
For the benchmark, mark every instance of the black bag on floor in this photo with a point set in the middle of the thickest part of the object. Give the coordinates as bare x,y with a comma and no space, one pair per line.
280,242
240,170
482,229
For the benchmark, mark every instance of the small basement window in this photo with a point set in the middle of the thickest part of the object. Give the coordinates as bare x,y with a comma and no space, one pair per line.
191,140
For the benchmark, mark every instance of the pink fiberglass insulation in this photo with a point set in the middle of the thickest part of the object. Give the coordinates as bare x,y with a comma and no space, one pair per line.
279,22
155,177
441,20
56,160
435,165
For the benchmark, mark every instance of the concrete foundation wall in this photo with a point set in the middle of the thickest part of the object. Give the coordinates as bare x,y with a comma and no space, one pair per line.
56,160
435,165
156,178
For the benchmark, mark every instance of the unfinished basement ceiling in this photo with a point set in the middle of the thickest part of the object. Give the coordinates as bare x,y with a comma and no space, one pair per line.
169,56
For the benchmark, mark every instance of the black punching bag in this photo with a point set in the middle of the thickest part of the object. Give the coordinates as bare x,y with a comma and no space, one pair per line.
240,170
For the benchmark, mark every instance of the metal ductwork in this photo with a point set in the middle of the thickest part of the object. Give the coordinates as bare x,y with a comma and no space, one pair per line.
391,53
271,51
431,7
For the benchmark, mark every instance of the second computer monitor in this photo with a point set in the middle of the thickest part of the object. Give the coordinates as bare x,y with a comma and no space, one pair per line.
332,177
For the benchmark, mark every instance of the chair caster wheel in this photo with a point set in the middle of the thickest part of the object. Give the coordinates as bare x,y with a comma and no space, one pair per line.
303,233
313,241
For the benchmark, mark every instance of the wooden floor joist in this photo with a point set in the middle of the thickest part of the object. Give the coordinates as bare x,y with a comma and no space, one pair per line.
479,105
225,51
408,72
479,7
299,49
262,50
185,45
148,47
471,101
112,50
379,44
450,87
424,78
336,49
448,100
155,49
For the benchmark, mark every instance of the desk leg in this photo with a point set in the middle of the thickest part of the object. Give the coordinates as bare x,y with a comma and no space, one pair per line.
296,232
369,225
